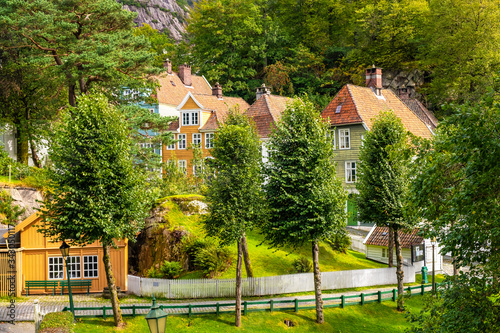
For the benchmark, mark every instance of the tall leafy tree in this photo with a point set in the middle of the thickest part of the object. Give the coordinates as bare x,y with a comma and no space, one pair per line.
457,190
306,199
235,200
98,196
384,181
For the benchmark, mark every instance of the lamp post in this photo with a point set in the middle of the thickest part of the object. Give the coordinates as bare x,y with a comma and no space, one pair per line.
65,253
156,318
433,242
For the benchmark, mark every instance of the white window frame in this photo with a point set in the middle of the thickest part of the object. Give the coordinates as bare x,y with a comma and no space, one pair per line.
362,140
58,264
94,270
209,140
190,118
77,262
182,143
332,135
182,165
171,147
344,134
196,139
348,171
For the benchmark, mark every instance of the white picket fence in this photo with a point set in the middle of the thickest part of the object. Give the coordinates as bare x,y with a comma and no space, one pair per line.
269,285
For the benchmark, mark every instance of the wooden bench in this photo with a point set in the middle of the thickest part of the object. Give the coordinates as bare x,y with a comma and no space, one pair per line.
76,284
41,284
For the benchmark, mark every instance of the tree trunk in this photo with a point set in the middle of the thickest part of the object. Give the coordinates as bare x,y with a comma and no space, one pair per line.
317,283
399,270
22,144
115,304
390,252
34,156
246,257
72,94
238,285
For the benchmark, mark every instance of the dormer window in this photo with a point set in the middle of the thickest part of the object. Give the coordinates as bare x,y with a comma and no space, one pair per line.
339,107
190,118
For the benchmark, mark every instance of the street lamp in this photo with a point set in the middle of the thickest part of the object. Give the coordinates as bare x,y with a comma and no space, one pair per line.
65,253
433,242
156,318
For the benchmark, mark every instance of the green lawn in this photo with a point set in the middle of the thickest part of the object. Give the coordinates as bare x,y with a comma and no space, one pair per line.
368,318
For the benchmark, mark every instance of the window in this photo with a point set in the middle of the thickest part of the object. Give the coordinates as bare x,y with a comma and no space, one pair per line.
183,166
56,268
362,140
146,145
209,137
90,267
189,118
344,139
151,111
350,172
197,169
171,147
75,269
181,144
384,253
332,135
339,107
197,139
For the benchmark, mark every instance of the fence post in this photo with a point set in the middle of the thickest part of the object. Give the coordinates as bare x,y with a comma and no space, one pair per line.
296,305
422,289
104,312
244,308
133,310
342,301
38,320
380,296
394,293
409,290
189,311
271,305
362,298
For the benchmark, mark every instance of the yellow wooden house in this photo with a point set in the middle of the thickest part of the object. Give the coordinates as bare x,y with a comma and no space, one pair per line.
42,260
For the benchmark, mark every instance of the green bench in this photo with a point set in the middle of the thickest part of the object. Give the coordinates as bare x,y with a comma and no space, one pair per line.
77,284
41,284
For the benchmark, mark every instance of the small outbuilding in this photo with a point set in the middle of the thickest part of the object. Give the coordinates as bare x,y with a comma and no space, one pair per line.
416,250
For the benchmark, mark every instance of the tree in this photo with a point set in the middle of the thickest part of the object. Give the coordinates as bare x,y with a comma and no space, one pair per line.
457,190
306,200
9,213
235,200
383,182
90,42
98,196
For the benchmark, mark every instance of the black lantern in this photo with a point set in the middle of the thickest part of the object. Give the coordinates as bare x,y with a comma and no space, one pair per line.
64,250
65,253
156,318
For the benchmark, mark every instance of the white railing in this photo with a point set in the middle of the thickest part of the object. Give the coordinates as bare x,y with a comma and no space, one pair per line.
269,285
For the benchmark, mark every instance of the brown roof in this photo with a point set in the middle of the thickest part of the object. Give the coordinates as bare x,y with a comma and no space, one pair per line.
380,237
421,111
219,107
361,104
266,111
172,91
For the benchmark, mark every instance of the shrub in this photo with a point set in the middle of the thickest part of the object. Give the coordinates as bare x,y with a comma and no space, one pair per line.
340,242
154,273
208,256
302,265
170,269
61,322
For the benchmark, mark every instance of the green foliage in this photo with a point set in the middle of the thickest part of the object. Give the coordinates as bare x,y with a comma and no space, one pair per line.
160,42
208,255
9,213
98,196
302,265
167,270
341,241
306,200
57,321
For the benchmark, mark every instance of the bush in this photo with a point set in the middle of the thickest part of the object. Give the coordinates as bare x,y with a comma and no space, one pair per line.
60,322
302,265
171,269
154,273
208,256
340,242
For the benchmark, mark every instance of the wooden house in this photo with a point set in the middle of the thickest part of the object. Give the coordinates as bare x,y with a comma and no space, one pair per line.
416,250
42,260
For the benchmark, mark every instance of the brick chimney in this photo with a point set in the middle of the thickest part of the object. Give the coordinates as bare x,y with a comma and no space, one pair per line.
403,92
217,90
168,65
262,90
374,79
185,74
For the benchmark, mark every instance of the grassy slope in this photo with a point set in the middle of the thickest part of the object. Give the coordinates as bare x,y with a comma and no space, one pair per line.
266,261
372,317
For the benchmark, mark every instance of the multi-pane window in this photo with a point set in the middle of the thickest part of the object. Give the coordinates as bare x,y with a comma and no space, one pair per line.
182,166
171,147
344,139
197,139
209,137
350,172
197,169
74,267
384,253
90,267
181,144
56,268
190,118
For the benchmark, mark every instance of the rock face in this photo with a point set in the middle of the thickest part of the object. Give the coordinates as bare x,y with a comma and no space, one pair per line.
162,15
28,198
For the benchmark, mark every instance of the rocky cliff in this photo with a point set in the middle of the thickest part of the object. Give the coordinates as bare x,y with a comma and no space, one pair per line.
162,15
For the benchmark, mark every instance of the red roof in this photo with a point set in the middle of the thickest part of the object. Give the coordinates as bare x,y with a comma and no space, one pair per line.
266,111
380,237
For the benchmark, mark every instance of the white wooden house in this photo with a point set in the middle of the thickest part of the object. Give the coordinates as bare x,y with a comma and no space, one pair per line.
416,250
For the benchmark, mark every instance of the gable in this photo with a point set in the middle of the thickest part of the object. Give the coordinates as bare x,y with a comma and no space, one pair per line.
342,109
190,104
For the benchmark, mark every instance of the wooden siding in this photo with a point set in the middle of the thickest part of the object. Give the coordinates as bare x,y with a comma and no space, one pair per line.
6,273
375,253
190,105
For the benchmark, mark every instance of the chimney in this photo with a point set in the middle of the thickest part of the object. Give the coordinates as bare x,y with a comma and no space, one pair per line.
168,65
404,92
217,90
185,74
374,79
262,90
